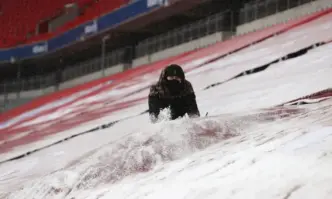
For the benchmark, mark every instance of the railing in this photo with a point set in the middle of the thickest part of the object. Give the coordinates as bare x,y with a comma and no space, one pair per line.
11,91
94,65
260,9
213,24
30,88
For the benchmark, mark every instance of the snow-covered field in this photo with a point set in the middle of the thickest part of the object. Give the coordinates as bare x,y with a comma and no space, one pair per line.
245,148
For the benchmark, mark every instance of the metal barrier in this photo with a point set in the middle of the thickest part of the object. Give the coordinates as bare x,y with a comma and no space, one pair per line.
260,9
33,87
213,24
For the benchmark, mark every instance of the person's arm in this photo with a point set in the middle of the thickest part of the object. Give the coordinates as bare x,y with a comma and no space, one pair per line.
154,104
154,108
192,109
191,104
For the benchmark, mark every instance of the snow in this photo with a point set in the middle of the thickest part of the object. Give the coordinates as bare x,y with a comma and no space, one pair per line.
239,151
48,106
249,172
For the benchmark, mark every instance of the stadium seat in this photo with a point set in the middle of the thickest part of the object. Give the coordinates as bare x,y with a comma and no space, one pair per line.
19,18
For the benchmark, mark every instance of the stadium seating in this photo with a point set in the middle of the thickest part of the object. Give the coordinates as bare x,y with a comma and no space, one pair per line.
102,7
19,18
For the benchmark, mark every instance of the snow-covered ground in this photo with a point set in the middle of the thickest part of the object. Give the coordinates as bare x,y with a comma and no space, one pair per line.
242,149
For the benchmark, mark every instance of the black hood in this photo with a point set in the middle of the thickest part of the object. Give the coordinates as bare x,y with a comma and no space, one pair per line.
172,70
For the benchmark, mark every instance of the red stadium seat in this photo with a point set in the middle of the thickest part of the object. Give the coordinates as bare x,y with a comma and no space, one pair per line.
18,18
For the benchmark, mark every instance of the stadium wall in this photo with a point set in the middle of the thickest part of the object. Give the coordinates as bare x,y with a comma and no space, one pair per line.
186,47
284,16
265,22
218,49
15,99
93,76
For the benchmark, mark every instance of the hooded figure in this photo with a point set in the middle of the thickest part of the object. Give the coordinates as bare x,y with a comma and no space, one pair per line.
172,91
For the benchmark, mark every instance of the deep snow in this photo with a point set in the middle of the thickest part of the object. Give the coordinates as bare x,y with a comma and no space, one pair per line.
241,150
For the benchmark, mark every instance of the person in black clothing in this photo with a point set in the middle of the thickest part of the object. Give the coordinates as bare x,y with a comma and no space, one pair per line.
172,91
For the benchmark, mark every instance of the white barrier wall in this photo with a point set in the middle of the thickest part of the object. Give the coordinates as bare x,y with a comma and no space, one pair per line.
189,46
28,94
92,76
284,16
14,98
192,45
14,103
141,61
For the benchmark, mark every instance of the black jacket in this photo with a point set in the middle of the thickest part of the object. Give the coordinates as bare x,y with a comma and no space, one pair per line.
181,104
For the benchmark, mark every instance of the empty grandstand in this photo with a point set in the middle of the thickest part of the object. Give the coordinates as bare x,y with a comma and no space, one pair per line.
52,45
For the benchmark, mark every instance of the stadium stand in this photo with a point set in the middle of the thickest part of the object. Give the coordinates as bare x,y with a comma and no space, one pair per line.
178,28
19,19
